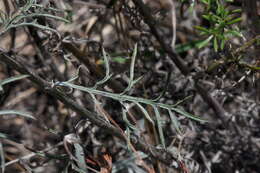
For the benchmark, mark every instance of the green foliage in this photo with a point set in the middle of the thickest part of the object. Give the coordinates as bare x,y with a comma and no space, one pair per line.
221,20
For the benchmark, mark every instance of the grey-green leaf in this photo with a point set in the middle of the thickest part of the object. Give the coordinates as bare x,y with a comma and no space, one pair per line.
108,75
147,116
174,121
188,115
11,79
159,125
126,120
21,113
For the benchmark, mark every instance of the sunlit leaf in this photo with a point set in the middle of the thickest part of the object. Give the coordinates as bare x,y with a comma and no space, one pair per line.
215,44
179,48
202,29
120,60
234,33
234,21
222,44
236,11
205,42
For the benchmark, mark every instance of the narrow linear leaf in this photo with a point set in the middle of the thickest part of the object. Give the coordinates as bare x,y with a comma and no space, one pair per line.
205,1
126,120
76,76
207,17
147,116
205,42
236,11
132,67
24,114
128,135
202,29
119,60
181,101
222,44
3,136
234,21
215,45
188,115
251,67
108,75
136,80
174,121
234,33
11,79
159,125
187,46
